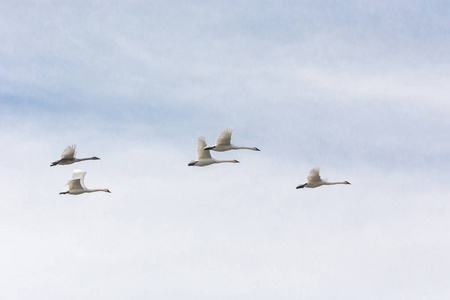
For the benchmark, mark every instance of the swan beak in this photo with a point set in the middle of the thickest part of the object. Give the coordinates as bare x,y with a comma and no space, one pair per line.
108,191
63,193
236,161
257,149
192,163
348,182
209,148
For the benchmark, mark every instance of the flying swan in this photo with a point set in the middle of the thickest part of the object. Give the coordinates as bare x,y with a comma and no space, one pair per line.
313,180
223,142
76,185
204,156
68,157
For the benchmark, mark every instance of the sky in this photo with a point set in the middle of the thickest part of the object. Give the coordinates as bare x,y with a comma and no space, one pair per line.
357,88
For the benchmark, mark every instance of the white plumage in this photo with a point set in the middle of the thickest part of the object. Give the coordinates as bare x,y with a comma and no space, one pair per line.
68,157
223,142
313,180
76,185
204,156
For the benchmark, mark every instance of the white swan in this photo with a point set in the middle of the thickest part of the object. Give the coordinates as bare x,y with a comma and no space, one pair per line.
223,142
313,180
76,185
68,157
204,156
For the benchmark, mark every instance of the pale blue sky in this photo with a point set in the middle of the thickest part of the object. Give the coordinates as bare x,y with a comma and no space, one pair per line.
357,88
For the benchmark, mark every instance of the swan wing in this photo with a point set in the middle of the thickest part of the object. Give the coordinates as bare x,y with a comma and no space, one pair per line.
202,154
75,184
79,174
313,175
69,152
224,137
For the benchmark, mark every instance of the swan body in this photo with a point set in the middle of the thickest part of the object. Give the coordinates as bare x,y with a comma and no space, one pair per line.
313,180
223,142
76,185
68,157
204,156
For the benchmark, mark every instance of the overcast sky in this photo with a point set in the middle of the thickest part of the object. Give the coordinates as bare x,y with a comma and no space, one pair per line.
358,88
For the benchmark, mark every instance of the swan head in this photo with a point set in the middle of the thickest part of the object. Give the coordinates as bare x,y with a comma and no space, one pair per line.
108,191
256,149
346,182
236,161
192,163
95,157
209,148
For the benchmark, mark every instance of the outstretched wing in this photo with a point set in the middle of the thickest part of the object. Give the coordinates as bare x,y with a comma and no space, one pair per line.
224,137
202,154
314,175
78,174
75,184
69,152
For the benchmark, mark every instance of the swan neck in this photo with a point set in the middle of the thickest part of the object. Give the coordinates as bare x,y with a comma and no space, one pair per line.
226,161
88,158
243,147
331,183
97,190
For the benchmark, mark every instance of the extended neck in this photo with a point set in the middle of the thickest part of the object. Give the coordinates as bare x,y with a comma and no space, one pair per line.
88,158
226,161
98,190
339,182
248,148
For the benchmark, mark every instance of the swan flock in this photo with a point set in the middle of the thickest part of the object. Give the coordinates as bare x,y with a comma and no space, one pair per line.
76,186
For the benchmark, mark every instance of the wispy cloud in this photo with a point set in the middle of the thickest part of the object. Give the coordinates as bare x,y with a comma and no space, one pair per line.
359,89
